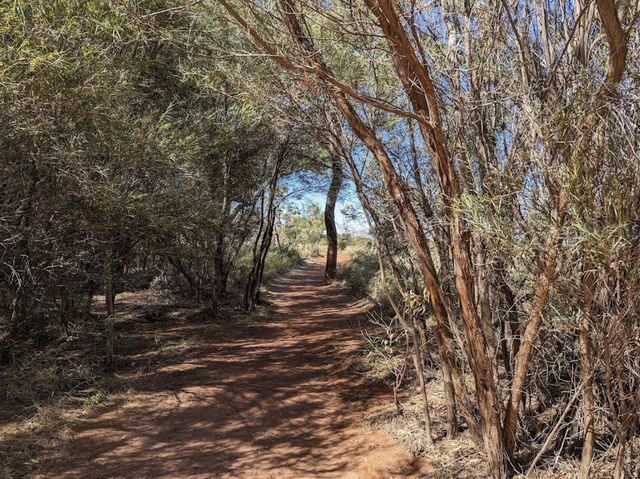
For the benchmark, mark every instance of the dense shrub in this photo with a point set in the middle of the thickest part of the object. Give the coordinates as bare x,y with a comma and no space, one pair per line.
361,275
280,259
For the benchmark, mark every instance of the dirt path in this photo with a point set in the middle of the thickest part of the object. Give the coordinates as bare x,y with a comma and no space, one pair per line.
271,401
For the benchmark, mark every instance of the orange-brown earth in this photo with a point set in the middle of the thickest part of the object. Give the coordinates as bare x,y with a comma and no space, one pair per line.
272,399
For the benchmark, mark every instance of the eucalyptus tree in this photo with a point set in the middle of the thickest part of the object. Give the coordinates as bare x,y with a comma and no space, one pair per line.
443,61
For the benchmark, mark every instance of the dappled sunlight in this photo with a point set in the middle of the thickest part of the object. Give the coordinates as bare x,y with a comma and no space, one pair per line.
271,402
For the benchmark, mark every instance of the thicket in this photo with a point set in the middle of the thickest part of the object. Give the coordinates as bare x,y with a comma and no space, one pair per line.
128,161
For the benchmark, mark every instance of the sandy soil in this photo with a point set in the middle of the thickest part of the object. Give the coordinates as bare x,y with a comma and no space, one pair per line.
270,400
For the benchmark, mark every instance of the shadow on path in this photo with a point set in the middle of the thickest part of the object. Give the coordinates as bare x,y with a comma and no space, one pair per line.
267,403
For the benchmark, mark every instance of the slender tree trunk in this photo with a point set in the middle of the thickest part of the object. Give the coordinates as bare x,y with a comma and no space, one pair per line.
250,285
504,349
410,330
588,401
218,274
180,268
586,369
329,218
483,293
420,91
264,251
419,365
523,357
265,233
451,376
618,470
512,316
219,250
109,297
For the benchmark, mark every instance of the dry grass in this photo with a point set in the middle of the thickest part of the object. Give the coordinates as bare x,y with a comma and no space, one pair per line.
449,458
459,458
46,393
35,437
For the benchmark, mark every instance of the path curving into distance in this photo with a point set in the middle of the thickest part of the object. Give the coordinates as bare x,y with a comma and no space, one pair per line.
271,400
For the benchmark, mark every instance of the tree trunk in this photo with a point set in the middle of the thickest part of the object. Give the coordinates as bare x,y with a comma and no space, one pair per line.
523,357
588,401
618,470
218,274
421,93
483,293
419,365
109,297
219,251
512,316
451,376
410,330
265,233
586,368
329,219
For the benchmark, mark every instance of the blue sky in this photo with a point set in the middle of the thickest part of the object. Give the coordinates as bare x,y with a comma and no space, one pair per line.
302,196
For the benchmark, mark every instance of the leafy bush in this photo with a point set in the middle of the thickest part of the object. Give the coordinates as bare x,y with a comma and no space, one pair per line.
361,275
280,259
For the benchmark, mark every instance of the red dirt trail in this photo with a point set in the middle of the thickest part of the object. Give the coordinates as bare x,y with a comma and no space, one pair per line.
272,400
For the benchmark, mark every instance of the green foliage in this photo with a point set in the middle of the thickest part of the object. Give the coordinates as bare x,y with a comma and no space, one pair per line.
118,146
280,259
362,275
302,230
